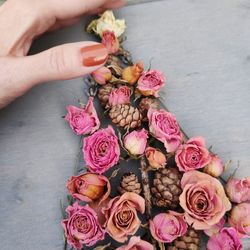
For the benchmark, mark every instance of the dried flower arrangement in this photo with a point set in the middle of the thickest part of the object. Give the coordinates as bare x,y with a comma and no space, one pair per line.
179,189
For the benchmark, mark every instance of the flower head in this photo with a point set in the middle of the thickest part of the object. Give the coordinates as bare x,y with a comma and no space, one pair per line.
132,73
110,41
155,158
135,243
120,95
102,75
215,166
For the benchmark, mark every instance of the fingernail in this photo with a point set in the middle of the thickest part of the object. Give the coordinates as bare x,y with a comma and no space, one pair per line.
94,55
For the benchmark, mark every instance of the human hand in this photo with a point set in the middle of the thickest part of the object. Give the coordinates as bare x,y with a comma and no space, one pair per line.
22,21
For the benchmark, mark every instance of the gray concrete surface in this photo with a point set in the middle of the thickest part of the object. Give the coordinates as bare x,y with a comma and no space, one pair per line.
203,48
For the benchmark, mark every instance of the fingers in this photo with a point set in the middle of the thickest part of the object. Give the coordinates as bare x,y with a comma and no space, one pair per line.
19,74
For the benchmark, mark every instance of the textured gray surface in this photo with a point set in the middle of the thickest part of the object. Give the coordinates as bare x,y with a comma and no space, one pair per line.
202,46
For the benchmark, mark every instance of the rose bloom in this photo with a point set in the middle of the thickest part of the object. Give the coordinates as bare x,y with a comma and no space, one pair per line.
136,141
135,243
120,95
164,127
215,228
155,157
151,82
166,227
238,190
101,150
215,166
102,75
203,200
110,41
89,187
132,73
82,226
225,240
121,215
192,155
83,121
240,219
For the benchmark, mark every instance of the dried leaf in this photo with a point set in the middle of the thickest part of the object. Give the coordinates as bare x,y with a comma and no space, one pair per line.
114,173
161,245
102,247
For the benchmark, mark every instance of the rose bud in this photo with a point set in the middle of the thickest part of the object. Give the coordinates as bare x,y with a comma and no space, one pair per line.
155,158
215,228
238,190
120,95
136,141
240,219
226,239
102,75
89,187
132,73
215,166
135,243
110,41
166,227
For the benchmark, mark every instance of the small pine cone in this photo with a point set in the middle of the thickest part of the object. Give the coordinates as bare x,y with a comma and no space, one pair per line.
129,183
104,92
166,188
145,104
190,241
125,116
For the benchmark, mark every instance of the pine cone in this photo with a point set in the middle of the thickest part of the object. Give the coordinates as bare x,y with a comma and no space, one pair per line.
129,183
125,116
145,104
104,92
166,188
190,241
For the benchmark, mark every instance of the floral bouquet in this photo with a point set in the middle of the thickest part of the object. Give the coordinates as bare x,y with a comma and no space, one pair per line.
174,193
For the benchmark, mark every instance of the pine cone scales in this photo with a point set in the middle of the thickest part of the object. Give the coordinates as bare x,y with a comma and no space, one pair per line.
129,183
166,188
104,92
190,241
147,103
125,116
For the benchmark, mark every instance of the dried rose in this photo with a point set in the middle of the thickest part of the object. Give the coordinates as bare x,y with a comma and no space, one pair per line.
110,41
132,73
102,75
151,82
238,190
166,227
135,243
120,95
203,200
227,239
101,150
240,219
83,121
215,228
89,187
164,127
121,215
215,166
155,157
192,155
135,142
82,226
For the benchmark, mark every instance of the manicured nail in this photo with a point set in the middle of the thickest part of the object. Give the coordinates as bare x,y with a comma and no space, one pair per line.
94,55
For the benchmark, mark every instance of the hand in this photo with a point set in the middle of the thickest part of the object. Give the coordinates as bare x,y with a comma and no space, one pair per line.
22,21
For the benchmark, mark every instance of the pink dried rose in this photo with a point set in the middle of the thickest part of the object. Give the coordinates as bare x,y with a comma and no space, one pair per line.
121,216
203,200
135,243
192,155
120,95
150,83
166,227
135,142
101,150
83,121
238,190
215,166
82,226
164,127
102,75
215,228
110,41
89,187
155,157
226,239
240,219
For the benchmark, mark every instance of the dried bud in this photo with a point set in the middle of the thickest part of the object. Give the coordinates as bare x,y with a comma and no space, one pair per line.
120,95
132,73
102,75
215,168
155,158
110,41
